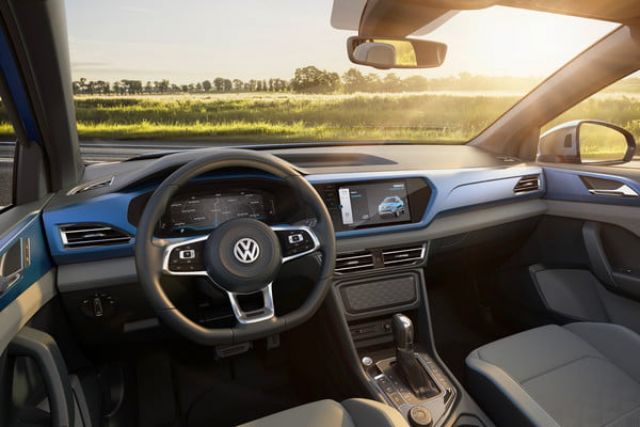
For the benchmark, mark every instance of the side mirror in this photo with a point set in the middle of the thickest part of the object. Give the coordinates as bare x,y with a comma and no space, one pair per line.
586,141
396,53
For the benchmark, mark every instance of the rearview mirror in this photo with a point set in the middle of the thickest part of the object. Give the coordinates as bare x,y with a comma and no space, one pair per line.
586,141
395,53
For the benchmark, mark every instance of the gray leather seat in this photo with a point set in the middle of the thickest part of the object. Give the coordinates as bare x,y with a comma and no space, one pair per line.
582,374
329,413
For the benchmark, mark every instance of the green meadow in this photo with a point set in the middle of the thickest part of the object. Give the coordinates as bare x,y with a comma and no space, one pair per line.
250,117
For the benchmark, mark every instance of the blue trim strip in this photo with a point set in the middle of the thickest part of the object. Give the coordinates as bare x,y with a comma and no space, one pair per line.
566,185
30,228
9,69
452,190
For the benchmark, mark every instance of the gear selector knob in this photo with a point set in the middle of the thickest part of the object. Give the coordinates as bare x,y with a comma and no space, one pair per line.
402,328
415,375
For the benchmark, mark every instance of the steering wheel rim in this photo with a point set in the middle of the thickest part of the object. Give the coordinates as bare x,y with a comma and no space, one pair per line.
151,253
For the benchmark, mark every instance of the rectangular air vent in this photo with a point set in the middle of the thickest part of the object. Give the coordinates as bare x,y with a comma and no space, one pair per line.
403,256
101,183
82,235
354,262
527,183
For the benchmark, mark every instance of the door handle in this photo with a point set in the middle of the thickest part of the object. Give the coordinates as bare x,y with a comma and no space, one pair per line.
13,263
623,191
623,282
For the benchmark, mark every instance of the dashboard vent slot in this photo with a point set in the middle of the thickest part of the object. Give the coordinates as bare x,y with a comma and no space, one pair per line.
354,261
106,182
527,183
403,256
82,235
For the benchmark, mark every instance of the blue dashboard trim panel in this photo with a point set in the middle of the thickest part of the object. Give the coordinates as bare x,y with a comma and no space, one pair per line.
452,190
566,185
11,74
108,209
40,262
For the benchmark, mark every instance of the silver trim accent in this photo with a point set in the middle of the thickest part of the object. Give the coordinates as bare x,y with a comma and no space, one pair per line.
344,258
166,256
357,268
623,191
408,260
267,311
25,261
314,238
246,250
525,178
248,317
98,183
91,228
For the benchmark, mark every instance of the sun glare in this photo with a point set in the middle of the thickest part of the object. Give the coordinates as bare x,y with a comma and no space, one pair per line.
513,42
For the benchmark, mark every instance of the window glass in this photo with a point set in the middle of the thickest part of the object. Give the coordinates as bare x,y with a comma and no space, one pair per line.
254,71
618,104
7,151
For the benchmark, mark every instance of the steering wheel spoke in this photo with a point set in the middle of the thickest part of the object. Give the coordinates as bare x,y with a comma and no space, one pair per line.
184,256
296,241
266,312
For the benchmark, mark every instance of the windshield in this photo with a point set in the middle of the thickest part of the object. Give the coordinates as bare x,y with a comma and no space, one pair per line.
251,71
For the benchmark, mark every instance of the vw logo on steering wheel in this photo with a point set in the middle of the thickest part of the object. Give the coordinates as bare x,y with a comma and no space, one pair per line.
246,250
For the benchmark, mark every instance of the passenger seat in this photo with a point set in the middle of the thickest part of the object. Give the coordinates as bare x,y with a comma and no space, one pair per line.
581,374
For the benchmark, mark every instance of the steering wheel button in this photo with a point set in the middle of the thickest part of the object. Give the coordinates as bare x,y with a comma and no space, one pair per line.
296,238
187,254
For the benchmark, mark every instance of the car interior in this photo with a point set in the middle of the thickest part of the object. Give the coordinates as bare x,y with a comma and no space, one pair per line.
324,284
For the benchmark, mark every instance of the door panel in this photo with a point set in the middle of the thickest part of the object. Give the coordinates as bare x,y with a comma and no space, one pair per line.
613,254
578,185
26,268
607,201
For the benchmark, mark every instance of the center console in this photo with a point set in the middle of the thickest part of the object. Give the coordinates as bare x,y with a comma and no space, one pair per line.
381,297
409,378
395,362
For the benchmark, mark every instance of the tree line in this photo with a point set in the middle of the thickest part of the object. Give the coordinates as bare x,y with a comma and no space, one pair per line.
311,79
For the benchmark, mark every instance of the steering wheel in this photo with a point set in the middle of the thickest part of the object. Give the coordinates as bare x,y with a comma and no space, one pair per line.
240,257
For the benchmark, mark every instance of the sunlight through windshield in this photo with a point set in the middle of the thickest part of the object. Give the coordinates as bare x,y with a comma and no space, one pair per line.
253,71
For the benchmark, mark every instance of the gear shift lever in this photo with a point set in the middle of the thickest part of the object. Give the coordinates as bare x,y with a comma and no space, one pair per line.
402,328
413,372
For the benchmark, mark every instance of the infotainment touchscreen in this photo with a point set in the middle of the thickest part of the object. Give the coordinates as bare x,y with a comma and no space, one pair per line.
374,203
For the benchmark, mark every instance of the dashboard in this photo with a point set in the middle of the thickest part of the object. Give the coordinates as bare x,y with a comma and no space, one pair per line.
386,205
376,196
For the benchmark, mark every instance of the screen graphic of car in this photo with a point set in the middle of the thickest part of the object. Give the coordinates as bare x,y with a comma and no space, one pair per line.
391,206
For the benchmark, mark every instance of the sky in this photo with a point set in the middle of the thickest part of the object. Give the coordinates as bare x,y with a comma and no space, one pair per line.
193,40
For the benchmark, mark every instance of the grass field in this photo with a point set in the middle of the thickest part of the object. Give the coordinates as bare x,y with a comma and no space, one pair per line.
444,117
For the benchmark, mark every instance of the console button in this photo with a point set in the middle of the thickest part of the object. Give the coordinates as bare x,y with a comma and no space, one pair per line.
396,399
420,417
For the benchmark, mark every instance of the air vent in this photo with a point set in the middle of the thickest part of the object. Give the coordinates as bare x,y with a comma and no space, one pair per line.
354,261
527,183
105,182
82,235
403,256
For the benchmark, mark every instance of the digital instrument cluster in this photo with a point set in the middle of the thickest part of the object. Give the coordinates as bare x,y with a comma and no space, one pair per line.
202,211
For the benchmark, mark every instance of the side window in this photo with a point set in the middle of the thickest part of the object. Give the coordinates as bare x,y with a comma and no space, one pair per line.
599,129
618,104
7,153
